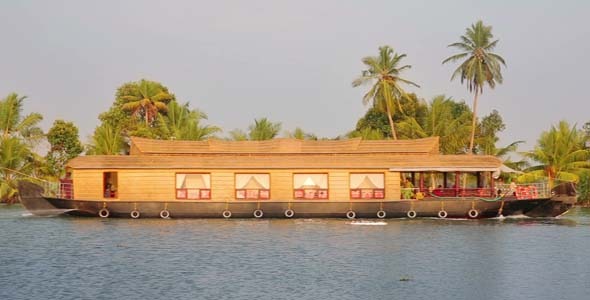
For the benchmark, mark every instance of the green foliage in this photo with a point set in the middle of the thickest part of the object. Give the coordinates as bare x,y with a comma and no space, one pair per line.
14,124
503,154
107,140
300,134
583,188
488,130
144,99
238,135
442,117
18,135
65,144
147,109
373,120
383,73
182,123
560,155
479,67
367,133
263,129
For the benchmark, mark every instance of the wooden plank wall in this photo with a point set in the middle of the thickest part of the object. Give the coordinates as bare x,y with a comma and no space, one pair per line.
150,185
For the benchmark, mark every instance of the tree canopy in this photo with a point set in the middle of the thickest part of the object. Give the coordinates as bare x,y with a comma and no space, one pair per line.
64,144
559,154
19,134
147,109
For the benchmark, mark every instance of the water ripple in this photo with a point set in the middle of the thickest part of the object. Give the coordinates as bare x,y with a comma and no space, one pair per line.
90,258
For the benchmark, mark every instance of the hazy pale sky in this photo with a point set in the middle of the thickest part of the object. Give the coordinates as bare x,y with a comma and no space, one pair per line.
290,61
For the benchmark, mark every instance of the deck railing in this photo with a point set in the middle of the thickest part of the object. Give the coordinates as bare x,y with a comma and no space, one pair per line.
63,190
522,191
526,191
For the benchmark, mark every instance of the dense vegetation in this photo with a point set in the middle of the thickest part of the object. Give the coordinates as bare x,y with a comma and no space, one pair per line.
149,109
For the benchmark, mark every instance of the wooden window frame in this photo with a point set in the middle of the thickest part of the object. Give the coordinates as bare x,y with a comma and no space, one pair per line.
360,191
317,192
112,194
258,191
203,194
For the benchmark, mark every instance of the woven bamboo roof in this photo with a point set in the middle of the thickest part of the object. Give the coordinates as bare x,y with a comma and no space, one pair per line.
408,162
143,146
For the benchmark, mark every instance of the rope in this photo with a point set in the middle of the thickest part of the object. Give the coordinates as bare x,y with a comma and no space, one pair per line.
478,198
501,209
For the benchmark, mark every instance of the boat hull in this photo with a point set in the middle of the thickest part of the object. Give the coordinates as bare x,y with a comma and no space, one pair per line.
33,200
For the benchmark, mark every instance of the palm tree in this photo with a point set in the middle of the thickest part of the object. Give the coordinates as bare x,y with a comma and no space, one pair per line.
383,72
366,133
107,140
146,99
444,118
16,163
238,135
182,123
13,124
263,129
480,66
300,134
560,153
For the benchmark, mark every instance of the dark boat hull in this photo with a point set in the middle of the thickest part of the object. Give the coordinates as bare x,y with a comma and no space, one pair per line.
33,200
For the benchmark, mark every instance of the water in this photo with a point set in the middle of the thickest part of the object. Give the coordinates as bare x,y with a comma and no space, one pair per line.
91,258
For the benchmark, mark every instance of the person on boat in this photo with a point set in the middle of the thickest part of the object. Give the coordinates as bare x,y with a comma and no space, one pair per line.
438,191
499,185
107,191
513,187
407,189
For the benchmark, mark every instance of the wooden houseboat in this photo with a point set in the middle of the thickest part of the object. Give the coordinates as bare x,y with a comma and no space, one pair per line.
285,178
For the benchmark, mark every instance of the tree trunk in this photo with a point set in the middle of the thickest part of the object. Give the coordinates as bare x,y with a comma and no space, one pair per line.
393,133
473,122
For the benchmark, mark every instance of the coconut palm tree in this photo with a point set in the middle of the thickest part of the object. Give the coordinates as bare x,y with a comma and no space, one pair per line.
182,123
263,129
366,133
16,163
383,72
107,140
14,124
238,135
300,134
480,67
560,153
145,99
444,118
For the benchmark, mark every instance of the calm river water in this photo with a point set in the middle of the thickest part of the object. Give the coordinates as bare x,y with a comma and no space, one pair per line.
91,258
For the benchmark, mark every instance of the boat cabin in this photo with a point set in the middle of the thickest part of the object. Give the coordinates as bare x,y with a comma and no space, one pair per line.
281,170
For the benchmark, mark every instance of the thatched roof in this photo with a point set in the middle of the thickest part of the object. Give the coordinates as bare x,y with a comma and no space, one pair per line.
143,146
291,161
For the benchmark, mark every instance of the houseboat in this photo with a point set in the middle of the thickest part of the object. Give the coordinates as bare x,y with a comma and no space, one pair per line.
290,178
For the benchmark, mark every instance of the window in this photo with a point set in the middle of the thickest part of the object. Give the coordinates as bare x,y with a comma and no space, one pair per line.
193,186
367,186
110,184
310,186
252,186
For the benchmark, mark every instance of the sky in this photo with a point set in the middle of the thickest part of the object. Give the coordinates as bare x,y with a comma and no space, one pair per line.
290,61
